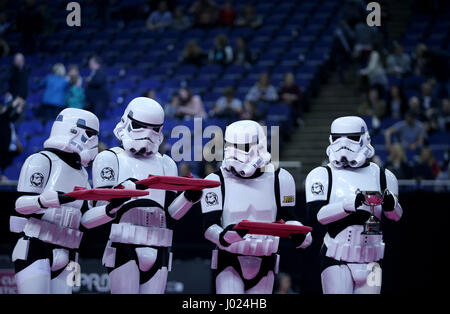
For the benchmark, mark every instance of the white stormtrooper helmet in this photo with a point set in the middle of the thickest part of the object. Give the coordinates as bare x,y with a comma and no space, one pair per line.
245,148
120,126
349,142
75,131
140,128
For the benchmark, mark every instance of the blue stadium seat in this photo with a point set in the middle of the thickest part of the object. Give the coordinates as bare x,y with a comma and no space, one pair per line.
30,127
442,138
413,82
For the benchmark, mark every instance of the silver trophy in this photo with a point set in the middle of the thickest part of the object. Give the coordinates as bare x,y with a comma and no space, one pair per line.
372,199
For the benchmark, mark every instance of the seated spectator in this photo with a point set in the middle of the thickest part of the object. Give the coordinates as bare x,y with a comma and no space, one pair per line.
398,62
397,162
414,107
291,94
444,116
443,175
193,54
221,53
190,105
410,132
374,71
374,107
171,108
185,169
242,55
151,93
75,95
396,103
205,13
228,107
284,284
227,14
426,167
249,18
207,169
159,19
427,100
180,21
419,61
251,112
436,64
54,99
262,92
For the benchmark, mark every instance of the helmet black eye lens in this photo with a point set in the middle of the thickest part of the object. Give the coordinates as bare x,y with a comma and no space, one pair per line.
90,133
136,125
354,138
335,137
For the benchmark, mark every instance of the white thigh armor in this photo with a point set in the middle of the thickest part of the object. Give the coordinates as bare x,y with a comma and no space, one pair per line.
43,172
349,244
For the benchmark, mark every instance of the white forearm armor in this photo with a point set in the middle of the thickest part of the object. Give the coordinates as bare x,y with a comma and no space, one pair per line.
180,206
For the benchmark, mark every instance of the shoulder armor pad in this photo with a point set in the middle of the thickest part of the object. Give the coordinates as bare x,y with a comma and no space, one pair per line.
34,173
391,182
105,169
169,166
316,185
287,188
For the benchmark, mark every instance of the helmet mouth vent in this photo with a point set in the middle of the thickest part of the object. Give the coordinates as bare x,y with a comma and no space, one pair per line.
346,148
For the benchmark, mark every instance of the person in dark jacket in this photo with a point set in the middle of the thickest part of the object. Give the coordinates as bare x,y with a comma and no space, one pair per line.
10,146
290,93
18,78
97,95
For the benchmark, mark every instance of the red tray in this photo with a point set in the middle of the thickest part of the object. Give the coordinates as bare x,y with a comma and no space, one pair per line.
279,228
177,183
80,193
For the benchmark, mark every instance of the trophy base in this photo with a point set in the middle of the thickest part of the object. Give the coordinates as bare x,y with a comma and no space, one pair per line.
372,227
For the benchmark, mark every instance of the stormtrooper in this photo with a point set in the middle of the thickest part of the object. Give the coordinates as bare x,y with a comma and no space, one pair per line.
351,253
251,189
137,254
47,222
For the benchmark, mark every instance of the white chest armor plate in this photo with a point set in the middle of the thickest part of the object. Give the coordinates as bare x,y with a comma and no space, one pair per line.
349,244
131,167
254,200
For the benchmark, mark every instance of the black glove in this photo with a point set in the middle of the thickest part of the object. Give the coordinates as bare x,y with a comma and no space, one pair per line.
223,242
298,238
63,199
388,201
114,203
359,200
193,195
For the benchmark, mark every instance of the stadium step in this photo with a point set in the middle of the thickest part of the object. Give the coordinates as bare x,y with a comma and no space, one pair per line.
309,143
